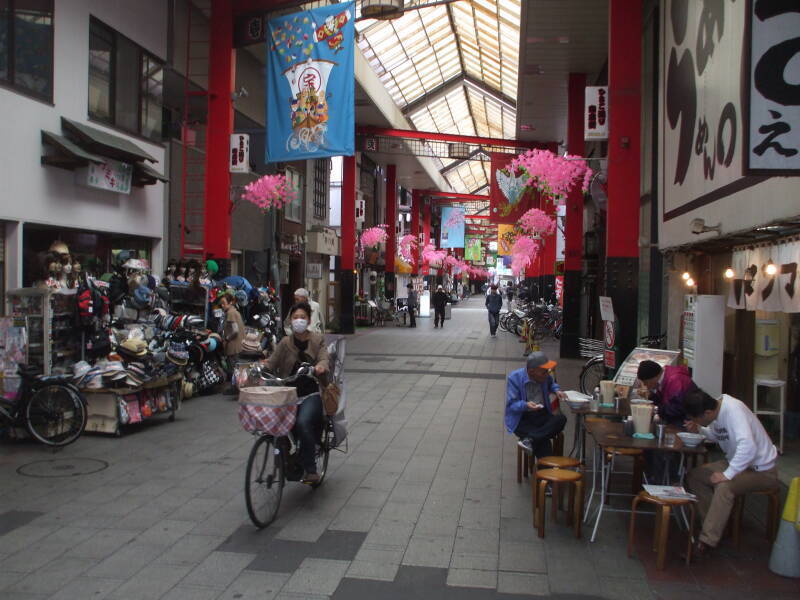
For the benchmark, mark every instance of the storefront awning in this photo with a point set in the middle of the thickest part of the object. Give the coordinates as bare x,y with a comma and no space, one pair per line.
106,144
146,175
66,154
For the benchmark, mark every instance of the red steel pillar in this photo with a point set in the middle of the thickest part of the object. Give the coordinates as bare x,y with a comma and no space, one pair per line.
548,254
391,222
347,275
573,243
622,221
221,82
426,229
416,199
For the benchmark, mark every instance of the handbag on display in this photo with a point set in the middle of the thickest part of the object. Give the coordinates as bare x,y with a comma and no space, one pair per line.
251,343
330,398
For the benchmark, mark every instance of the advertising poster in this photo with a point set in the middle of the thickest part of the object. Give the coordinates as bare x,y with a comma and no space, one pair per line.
452,227
505,239
473,249
311,84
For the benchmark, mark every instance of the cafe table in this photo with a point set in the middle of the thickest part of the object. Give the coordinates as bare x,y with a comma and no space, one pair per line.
579,435
607,434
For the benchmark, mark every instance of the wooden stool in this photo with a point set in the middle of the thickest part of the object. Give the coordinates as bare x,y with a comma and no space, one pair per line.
773,514
638,464
557,477
554,462
525,464
663,508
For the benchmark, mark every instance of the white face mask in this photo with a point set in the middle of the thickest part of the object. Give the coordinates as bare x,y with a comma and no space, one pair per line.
299,325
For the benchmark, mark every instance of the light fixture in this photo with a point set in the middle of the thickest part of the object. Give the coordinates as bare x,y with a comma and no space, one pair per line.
686,276
729,274
690,282
771,269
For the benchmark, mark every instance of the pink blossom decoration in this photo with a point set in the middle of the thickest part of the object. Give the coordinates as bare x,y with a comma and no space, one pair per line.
523,252
431,256
407,246
552,174
454,219
373,236
537,222
269,191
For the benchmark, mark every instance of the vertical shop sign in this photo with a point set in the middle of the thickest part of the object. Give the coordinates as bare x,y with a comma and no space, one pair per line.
773,142
595,113
609,332
240,153
509,196
311,84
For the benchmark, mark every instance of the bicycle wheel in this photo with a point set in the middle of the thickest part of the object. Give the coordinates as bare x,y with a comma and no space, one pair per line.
56,415
323,452
263,484
592,373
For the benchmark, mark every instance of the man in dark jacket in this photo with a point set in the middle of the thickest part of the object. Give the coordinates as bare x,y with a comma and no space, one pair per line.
439,302
412,304
494,302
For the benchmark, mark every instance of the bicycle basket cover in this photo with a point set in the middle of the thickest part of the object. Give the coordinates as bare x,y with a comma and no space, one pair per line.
268,396
274,420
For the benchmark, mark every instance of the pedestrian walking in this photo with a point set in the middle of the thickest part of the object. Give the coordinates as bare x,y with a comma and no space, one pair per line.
439,302
494,302
412,304
510,294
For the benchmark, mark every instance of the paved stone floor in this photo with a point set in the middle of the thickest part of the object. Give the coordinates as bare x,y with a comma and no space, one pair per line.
424,504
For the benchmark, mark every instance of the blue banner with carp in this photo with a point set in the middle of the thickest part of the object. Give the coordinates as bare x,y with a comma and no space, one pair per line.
311,84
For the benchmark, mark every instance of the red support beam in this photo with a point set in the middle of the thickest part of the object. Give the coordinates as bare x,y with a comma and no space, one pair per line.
448,137
391,216
416,199
624,167
348,250
221,81
426,230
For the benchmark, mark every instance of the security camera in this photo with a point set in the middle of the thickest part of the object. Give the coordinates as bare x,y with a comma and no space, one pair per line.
699,226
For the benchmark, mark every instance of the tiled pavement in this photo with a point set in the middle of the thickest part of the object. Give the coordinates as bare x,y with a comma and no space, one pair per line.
424,504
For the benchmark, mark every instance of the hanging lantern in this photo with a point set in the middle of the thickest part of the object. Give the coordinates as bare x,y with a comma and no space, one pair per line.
383,10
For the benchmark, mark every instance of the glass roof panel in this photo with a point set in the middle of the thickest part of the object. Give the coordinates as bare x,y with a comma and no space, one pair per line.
417,54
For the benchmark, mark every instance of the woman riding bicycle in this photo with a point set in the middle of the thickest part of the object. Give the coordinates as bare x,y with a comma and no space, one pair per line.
303,346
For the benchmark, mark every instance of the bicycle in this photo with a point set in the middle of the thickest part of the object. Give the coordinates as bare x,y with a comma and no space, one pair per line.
275,459
50,407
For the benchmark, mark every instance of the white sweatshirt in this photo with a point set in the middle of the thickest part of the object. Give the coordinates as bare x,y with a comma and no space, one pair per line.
742,438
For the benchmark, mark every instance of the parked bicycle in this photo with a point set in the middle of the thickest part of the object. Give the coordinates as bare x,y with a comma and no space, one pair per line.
50,407
274,459
594,369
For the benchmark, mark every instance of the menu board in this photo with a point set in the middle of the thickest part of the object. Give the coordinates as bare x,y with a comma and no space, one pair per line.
626,374
13,352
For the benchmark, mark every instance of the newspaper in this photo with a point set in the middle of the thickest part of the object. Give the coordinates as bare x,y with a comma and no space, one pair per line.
669,492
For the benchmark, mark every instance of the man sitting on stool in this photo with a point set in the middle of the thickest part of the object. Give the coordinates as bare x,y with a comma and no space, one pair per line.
531,413
750,464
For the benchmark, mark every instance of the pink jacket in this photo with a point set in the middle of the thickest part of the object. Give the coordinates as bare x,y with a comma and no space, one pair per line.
675,384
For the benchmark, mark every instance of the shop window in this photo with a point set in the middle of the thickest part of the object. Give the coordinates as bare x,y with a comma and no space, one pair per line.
26,46
293,210
321,175
125,83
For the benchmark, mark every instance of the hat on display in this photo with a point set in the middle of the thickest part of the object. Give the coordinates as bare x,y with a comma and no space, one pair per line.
133,347
648,369
241,297
59,247
301,292
212,267
539,360
136,264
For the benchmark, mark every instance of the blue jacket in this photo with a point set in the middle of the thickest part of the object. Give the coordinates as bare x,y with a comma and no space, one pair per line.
494,302
516,399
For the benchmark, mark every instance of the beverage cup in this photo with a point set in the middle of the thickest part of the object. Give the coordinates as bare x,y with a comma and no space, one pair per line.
642,417
607,392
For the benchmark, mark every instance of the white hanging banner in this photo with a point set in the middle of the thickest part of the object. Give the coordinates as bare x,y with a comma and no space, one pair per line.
754,288
595,113
240,153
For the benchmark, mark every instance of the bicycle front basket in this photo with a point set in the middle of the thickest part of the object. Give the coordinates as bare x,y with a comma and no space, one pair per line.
270,410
